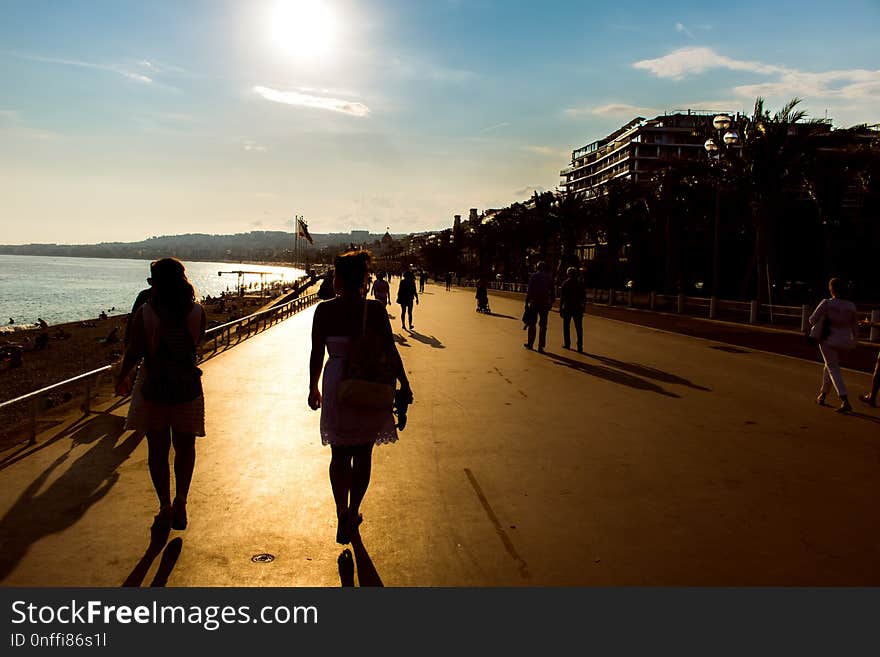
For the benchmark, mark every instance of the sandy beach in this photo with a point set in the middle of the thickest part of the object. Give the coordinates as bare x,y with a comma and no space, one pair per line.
83,350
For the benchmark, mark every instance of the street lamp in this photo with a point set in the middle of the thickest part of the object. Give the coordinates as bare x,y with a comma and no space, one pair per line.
729,139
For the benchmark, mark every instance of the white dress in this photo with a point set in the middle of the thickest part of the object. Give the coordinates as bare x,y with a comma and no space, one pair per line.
341,426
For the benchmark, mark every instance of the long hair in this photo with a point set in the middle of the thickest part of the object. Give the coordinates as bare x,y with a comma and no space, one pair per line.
172,292
351,271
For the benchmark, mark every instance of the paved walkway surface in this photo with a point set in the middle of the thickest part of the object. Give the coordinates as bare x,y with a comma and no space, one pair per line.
654,459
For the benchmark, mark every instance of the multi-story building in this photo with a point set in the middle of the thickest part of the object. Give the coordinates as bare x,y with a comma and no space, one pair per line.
636,150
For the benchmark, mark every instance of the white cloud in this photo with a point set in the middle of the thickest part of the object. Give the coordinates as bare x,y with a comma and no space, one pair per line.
682,29
253,147
298,99
859,87
690,61
614,109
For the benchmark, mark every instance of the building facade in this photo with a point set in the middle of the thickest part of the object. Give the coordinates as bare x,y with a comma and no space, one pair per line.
638,149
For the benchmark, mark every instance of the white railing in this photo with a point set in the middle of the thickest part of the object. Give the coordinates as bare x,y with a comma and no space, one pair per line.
751,312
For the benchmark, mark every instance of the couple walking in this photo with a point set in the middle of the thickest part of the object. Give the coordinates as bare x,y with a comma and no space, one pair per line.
540,295
406,295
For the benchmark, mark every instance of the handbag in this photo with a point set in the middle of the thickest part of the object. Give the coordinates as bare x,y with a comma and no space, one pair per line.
369,381
819,331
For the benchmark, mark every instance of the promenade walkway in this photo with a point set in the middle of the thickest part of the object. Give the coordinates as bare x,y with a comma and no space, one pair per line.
654,459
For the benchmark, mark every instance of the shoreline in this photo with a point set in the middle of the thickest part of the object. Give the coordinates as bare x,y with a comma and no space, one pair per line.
83,349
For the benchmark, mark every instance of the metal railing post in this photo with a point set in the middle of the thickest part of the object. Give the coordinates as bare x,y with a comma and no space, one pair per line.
652,300
32,412
753,312
713,307
610,297
875,329
629,298
680,304
805,317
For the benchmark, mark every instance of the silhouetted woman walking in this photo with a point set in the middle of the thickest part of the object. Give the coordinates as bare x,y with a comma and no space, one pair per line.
341,325
167,401
406,294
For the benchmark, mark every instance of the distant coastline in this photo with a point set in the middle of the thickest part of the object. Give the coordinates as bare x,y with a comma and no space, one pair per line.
255,247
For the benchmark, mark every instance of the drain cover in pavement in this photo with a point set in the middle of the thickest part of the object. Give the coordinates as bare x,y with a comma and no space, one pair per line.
265,557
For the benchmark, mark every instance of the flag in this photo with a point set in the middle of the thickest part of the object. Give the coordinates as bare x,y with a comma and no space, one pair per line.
303,231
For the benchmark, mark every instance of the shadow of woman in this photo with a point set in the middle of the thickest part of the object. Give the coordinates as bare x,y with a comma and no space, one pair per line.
35,515
424,339
366,570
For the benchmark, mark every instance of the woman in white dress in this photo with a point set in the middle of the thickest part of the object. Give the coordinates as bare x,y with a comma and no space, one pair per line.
352,432
839,338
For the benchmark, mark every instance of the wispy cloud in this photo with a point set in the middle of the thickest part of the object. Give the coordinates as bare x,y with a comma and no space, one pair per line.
299,99
125,72
611,109
681,28
497,126
848,84
253,147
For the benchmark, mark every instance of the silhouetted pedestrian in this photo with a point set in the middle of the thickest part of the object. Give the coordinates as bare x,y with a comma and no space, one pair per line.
448,281
871,398
572,301
355,332
406,294
167,402
539,300
837,337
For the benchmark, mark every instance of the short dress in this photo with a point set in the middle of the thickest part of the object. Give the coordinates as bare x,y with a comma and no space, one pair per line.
343,426
148,416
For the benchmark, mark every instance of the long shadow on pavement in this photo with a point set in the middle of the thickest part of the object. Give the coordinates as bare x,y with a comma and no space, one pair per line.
608,374
647,372
366,570
36,515
27,450
424,339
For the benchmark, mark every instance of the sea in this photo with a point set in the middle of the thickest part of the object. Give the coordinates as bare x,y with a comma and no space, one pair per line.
59,289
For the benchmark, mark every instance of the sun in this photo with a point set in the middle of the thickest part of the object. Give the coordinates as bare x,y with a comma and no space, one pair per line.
304,28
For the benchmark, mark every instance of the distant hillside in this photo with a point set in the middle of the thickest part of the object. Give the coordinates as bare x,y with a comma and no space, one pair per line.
269,246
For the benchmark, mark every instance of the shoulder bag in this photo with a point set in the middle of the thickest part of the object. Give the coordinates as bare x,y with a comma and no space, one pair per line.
369,380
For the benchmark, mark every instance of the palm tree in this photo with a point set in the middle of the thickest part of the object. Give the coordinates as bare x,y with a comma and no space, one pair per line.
778,152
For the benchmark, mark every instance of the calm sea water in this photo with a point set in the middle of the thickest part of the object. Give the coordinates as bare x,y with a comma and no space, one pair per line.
71,289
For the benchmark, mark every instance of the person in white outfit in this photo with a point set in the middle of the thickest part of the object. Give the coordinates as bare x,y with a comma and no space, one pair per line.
838,338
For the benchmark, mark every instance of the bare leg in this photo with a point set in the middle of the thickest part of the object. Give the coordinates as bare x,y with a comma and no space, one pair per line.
184,463
159,445
363,463
340,479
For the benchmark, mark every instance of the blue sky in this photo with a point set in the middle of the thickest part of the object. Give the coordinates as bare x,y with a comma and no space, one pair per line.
120,120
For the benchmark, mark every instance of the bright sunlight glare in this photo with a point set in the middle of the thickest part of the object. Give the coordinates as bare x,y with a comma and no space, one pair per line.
304,28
